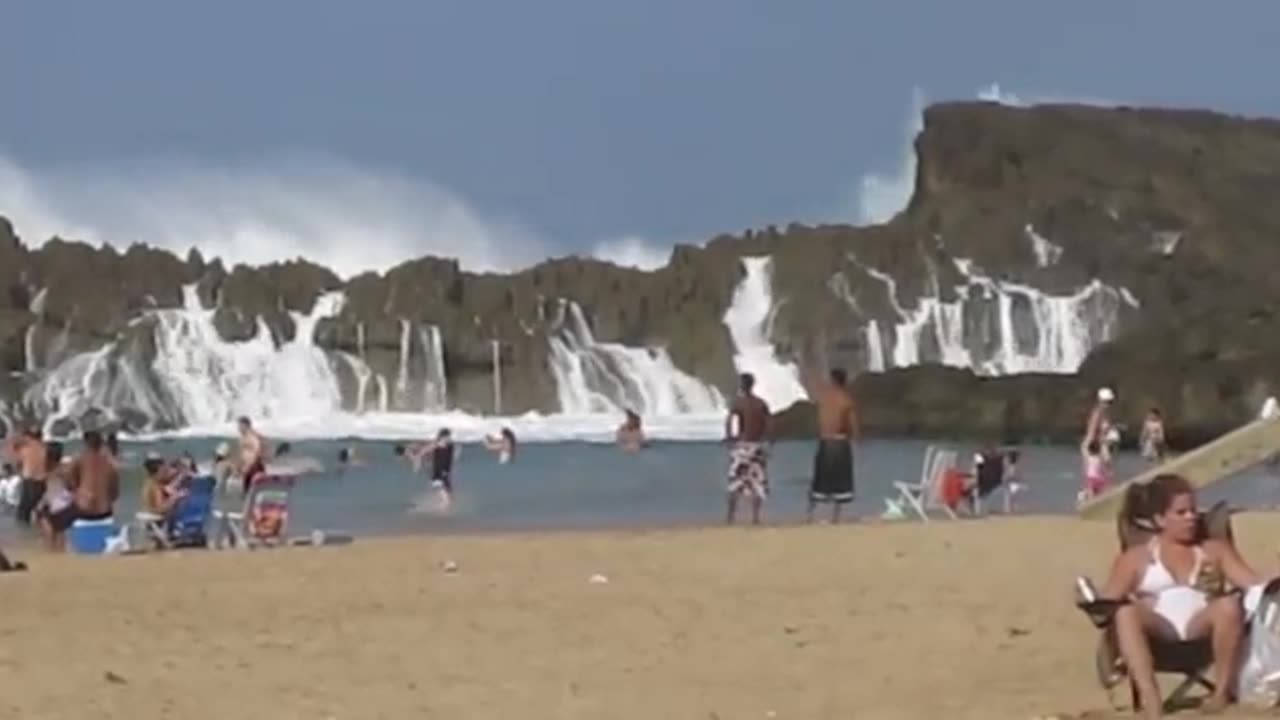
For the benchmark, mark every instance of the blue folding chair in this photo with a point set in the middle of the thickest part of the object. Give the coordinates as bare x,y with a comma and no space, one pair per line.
187,524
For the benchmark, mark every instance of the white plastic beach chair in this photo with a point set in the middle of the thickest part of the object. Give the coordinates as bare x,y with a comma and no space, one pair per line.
926,494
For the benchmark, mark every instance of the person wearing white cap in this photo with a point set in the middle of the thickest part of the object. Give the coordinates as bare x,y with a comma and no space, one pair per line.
1099,427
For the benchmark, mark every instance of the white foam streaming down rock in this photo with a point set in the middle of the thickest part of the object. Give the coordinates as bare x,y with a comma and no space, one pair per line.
197,379
435,384
497,377
36,307
212,381
993,326
595,377
102,380
749,319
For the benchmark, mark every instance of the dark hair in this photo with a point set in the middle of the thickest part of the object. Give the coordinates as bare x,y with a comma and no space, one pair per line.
344,454
283,448
746,381
152,465
244,420
1155,411
1013,456
33,432
838,376
113,444
399,449
510,437
1094,447
1162,490
93,439
444,433
52,454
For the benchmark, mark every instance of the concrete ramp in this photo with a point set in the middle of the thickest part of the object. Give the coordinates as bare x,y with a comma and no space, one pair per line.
1234,452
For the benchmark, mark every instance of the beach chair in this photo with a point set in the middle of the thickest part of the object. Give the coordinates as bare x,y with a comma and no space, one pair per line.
265,517
187,525
1189,660
924,495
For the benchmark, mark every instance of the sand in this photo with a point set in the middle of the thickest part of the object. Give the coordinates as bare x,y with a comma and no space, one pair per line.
950,620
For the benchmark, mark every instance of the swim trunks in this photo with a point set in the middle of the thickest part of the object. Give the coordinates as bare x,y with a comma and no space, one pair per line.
832,472
63,519
30,493
251,473
749,469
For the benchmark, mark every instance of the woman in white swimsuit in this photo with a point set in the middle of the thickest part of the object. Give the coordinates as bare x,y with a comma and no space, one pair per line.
1173,585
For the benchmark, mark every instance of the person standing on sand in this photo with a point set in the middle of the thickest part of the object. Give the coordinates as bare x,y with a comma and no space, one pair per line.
748,453
833,461
252,453
28,452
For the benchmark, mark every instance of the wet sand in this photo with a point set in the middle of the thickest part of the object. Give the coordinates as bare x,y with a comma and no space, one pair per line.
950,620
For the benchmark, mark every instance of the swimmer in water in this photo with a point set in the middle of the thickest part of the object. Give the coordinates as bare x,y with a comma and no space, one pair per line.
503,445
630,435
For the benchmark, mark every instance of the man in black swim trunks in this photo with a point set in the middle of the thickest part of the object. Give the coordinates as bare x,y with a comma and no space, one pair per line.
833,461
27,451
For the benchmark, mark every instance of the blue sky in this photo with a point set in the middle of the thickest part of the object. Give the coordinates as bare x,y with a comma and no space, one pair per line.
503,131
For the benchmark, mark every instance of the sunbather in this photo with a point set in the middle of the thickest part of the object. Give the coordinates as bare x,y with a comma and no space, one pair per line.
1172,590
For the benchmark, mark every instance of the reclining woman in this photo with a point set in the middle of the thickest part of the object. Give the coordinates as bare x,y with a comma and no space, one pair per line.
1168,584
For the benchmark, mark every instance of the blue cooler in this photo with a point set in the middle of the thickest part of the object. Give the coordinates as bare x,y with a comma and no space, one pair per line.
89,537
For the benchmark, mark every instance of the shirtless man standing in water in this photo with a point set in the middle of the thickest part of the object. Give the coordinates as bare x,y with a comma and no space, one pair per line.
28,452
748,454
251,451
833,462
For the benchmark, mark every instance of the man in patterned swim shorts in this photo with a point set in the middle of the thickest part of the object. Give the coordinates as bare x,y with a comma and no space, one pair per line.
748,450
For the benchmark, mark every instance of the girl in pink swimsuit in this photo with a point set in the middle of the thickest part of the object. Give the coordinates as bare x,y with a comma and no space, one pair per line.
1097,476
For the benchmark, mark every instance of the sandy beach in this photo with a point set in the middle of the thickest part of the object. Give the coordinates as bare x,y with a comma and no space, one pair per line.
950,620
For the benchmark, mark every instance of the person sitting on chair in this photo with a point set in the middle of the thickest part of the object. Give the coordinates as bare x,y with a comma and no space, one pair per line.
1170,589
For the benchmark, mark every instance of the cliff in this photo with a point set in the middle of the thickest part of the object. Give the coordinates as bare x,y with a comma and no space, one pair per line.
1128,247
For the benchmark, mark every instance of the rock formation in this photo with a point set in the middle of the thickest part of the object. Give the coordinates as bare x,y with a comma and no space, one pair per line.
1134,246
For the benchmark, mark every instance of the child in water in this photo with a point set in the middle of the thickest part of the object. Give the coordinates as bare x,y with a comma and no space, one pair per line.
503,445
1096,474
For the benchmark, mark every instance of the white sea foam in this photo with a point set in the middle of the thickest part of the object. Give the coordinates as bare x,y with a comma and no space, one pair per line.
530,427
879,195
347,217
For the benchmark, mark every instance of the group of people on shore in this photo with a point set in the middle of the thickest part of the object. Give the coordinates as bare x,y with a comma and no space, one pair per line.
748,432
50,490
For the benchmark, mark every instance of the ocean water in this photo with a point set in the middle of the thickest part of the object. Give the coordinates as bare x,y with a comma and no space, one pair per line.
568,485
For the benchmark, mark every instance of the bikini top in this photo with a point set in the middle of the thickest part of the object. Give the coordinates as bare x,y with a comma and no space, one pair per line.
1158,579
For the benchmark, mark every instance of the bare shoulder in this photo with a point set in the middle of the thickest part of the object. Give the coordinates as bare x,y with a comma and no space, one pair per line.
1218,548
1134,557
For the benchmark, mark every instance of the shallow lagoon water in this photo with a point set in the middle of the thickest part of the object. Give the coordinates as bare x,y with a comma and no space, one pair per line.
567,485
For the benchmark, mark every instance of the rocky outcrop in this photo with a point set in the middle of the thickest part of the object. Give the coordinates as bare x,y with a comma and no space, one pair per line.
1141,239
941,402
